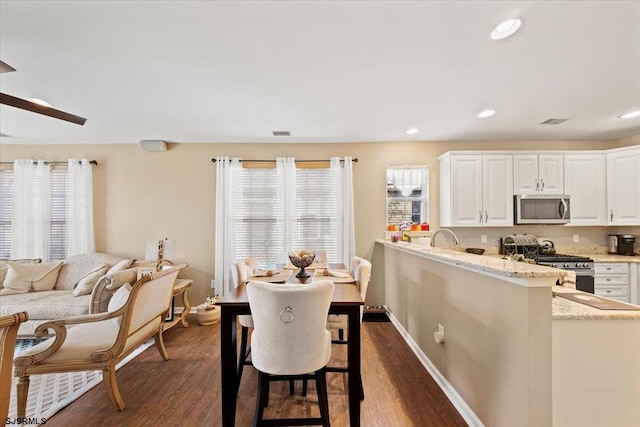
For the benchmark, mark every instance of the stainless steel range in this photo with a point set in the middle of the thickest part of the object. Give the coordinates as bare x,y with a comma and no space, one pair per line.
583,267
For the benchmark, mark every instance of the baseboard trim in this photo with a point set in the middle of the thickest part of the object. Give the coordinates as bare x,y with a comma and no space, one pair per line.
458,402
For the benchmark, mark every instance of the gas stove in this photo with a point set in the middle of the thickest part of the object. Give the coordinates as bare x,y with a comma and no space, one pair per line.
566,262
582,266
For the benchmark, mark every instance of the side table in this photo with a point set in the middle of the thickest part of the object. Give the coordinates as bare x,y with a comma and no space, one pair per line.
181,287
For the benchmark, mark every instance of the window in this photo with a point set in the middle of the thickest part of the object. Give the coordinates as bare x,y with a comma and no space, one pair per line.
258,221
259,216
316,224
6,209
58,220
407,195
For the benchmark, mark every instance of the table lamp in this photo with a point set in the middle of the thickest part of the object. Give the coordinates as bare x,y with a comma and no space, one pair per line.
165,251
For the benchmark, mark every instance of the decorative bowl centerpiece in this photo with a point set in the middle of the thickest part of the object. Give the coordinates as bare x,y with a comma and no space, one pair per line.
302,260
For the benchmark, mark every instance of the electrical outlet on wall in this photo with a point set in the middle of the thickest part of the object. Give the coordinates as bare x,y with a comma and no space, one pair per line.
576,238
484,238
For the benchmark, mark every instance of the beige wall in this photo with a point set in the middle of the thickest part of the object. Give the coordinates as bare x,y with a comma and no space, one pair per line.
141,196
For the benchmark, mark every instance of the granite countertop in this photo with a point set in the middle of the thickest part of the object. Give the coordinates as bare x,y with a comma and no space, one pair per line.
489,264
564,309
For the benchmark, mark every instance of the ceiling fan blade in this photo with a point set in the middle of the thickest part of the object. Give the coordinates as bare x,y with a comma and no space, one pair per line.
40,109
5,68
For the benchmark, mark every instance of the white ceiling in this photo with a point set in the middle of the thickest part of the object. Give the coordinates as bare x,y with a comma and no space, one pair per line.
328,71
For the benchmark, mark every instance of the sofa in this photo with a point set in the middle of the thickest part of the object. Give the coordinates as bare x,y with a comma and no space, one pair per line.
81,284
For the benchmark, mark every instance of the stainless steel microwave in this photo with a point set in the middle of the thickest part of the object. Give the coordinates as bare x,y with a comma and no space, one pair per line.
541,209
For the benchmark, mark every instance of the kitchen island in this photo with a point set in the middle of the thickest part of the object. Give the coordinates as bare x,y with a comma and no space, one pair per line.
502,346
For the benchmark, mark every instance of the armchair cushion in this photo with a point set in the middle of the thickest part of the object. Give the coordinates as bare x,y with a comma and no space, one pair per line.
119,299
88,282
26,277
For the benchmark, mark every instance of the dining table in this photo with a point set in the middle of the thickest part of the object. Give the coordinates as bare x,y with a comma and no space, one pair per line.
346,300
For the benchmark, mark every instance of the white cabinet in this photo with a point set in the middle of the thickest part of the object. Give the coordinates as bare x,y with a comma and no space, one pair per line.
585,181
623,186
538,174
612,280
476,190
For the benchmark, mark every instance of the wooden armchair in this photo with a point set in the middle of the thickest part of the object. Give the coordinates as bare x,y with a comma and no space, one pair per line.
100,341
8,331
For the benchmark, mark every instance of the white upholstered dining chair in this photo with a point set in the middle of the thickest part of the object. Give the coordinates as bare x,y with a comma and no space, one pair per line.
100,341
244,268
290,340
360,269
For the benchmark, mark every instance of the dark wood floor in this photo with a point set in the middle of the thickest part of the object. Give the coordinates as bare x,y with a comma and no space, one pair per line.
186,389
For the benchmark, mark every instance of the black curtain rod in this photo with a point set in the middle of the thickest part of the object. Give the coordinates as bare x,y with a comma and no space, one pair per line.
355,160
93,162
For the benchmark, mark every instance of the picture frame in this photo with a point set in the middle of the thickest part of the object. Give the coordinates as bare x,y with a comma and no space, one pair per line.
145,271
169,317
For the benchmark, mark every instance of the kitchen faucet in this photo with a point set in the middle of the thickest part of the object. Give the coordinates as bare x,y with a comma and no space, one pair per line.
433,237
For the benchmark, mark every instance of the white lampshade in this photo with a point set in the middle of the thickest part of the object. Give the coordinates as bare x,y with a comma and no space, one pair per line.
174,250
171,249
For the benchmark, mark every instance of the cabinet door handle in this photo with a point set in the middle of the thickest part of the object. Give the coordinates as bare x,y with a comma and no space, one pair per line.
608,280
608,291
542,181
486,217
608,268
611,214
480,220
537,185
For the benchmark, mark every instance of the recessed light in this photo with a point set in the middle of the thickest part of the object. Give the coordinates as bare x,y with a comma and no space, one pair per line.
630,115
506,28
486,113
412,131
41,102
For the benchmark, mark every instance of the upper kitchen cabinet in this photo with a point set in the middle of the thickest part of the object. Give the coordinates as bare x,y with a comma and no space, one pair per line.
585,181
476,190
538,174
623,186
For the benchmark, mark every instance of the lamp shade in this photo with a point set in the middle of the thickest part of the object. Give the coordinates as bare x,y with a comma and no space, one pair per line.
174,249
170,250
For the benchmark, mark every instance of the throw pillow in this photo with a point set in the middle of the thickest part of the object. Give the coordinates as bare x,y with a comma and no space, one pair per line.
119,299
4,266
122,265
26,277
88,282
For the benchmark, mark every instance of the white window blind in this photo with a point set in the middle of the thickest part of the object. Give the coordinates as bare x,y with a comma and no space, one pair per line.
316,227
58,224
259,226
58,220
6,210
259,217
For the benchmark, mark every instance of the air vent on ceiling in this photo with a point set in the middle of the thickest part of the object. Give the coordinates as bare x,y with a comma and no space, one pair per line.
553,121
281,133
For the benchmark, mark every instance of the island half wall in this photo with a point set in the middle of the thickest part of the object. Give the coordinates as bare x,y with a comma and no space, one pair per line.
494,361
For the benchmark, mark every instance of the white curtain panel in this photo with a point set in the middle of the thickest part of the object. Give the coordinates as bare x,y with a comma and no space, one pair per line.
227,176
31,209
343,175
286,178
80,237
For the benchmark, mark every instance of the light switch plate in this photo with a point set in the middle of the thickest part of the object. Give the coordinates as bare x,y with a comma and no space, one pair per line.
484,238
576,238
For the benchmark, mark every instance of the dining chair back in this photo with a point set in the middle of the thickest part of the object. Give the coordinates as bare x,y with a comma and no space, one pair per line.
8,331
362,276
290,339
244,268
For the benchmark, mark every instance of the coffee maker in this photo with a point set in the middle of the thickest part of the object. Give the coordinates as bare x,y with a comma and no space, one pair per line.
625,244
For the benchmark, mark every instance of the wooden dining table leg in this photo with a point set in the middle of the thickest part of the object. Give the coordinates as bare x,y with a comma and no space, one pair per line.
229,357
353,357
